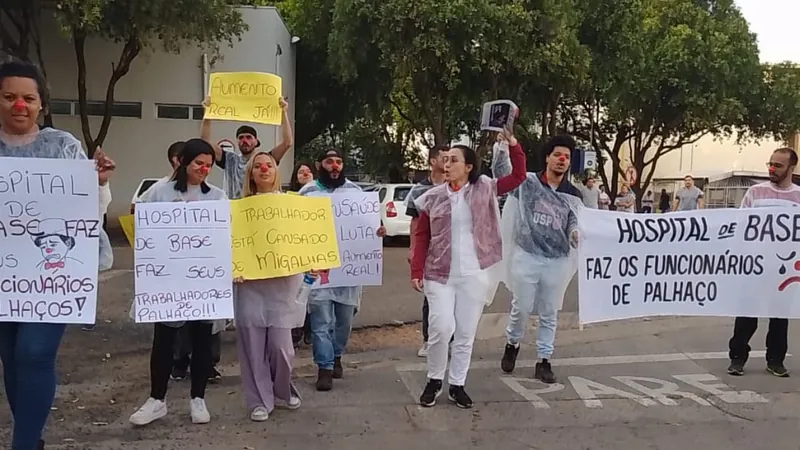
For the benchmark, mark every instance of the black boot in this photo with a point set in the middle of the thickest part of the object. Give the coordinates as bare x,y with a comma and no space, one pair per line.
325,380
509,361
338,369
544,372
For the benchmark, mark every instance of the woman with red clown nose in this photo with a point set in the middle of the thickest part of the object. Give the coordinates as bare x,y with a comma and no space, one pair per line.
457,249
266,311
28,350
188,184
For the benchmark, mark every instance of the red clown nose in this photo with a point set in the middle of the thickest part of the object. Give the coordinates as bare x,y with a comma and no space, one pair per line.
264,169
204,170
335,167
19,105
562,158
771,170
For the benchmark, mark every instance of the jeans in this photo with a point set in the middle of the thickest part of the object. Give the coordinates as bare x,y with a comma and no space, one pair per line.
28,352
543,283
161,358
330,327
777,339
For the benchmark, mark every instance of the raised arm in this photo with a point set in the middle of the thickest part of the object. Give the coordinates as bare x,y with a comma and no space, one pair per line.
518,173
287,137
205,134
501,162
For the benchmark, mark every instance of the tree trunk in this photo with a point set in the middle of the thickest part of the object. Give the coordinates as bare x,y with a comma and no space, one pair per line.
79,41
129,52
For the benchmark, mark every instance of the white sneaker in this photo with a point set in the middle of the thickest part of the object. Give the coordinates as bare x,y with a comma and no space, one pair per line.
151,411
259,414
423,351
200,413
294,402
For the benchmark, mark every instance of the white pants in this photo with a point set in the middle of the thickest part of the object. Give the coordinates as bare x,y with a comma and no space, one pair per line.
455,310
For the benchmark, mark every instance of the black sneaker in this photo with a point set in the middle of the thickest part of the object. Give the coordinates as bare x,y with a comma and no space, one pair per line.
737,367
338,369
509,360
179,374
214,375
432,391
459,396
544,372
778,370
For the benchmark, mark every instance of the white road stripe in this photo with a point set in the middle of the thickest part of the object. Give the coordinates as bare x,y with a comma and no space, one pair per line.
594,360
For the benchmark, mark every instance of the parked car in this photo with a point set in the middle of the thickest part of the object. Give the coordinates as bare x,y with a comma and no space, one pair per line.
144,185
393,208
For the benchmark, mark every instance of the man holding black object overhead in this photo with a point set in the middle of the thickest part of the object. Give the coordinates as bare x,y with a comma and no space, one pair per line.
778,191
542,231
436,161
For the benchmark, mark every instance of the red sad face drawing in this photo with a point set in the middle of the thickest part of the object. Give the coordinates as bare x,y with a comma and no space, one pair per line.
791,260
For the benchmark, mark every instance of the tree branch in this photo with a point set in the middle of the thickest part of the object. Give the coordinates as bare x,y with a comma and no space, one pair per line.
131,50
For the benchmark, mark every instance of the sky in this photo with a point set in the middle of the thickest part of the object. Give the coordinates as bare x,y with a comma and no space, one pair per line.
774,22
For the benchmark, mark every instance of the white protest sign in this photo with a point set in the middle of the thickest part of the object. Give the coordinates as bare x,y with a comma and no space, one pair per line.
49,238
357,217
720,262
183,266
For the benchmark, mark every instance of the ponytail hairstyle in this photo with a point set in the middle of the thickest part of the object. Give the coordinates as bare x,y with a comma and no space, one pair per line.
191,150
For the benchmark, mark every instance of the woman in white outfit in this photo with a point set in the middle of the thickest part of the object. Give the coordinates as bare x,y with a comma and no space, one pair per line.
457,243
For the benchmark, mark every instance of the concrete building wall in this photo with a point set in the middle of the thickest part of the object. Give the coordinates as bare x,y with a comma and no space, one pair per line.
161,84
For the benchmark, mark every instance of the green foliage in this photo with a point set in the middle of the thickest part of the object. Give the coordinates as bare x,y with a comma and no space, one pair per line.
669,74
137,25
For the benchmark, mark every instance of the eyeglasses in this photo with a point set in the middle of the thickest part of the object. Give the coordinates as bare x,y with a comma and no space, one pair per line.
774,165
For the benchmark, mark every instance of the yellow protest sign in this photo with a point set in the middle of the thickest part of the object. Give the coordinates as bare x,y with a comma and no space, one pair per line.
245,97
126,222
276,235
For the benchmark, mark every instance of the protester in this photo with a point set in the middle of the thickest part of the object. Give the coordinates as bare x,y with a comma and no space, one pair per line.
332,309
302,175
544,230
604,202
647,203
457,245
778,191
265,313
232,163
689,197
626,200
590,193
663,202
28,350
188,184
436,157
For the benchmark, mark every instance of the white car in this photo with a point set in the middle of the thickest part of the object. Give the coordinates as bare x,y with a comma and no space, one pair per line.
144,185
393,208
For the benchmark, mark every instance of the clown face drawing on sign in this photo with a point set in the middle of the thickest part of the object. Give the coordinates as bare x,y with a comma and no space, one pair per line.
795,266
55,246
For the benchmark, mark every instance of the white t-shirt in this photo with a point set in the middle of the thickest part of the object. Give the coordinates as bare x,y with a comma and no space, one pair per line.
767,194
